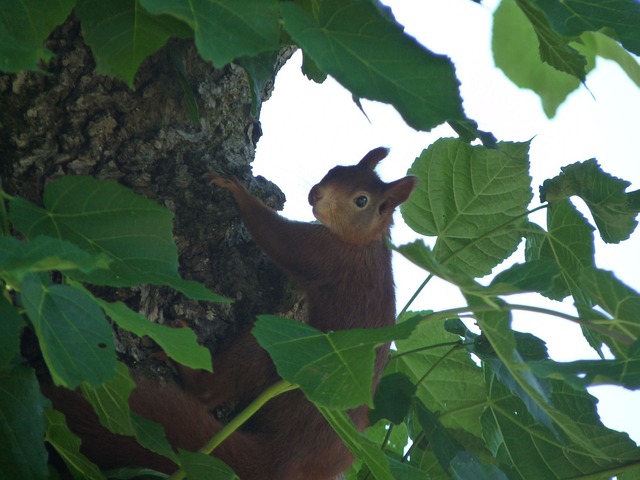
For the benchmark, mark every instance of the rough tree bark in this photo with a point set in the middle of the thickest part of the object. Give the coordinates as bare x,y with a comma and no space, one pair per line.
74,121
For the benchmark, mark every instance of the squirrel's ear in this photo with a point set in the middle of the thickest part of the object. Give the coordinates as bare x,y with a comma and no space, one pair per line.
371,159
397,192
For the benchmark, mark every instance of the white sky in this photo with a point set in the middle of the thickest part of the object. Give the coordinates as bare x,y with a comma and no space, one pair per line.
309,128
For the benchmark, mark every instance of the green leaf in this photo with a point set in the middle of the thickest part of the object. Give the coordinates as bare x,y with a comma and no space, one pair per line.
604,195
260,70
11,325
516,52
361,45
334,369
517,440
67,445
533,276
568,244
448,381
595,43
573,17
362,448
110,401
584,373
74,336
226,29
199,466
16,56
151,436
620,302
466,467
103,217
24,26
43,254
22,452
122,34
554,49
444,445
393,398
181,344
472,198
569,427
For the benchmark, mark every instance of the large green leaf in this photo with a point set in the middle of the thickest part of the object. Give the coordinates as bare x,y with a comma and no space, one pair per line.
448,381
573,17
22,452
122,34
360,44
554,49
473,199
199,466
75,338
67,445
181,344
110,401
516,52
333,369
226,29
103,217
568,244
620,302
364,449
533,276
43,254
595,43
520,442
540,405
584,373
604,195
24,26
11,325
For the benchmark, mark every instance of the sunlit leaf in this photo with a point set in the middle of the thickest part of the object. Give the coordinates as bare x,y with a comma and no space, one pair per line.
519,441
621,302
516,51
448,381
568,244
472,198
604,195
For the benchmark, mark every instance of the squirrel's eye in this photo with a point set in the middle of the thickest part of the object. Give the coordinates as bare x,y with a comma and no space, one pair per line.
361,201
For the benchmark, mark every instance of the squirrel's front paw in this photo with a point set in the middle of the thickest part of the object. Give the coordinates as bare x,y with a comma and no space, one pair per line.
215,178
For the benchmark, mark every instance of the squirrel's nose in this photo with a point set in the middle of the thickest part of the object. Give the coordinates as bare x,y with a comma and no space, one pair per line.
314,195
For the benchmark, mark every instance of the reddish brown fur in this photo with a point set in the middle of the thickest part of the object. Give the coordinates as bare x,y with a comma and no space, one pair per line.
348,282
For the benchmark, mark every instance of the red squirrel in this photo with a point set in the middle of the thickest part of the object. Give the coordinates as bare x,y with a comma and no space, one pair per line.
343,265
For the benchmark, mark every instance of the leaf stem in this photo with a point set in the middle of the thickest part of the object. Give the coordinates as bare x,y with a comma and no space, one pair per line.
422,349
438,362
273,391
415,294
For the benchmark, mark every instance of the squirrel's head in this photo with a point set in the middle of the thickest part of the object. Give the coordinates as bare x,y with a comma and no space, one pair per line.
354,203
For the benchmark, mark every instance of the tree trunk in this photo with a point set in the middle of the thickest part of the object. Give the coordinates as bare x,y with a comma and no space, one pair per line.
75,121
